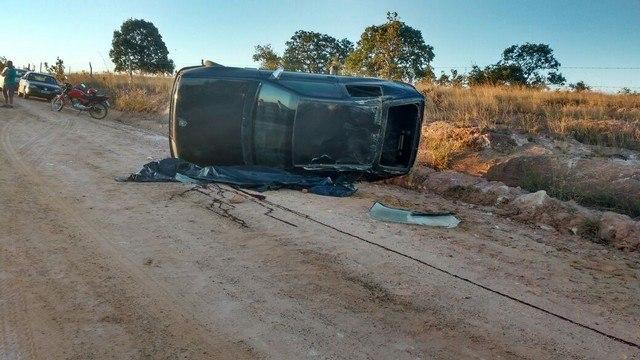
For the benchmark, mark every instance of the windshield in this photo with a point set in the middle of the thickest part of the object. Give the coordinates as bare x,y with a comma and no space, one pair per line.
335,133
43,78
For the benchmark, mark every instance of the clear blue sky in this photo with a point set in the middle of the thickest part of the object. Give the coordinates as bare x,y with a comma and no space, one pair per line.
583,33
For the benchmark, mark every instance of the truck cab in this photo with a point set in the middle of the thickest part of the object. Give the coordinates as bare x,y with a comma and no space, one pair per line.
312,122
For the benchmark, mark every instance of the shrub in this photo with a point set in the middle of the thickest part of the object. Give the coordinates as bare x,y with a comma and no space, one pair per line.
150,94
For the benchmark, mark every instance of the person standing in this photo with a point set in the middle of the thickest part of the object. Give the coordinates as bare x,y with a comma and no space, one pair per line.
9,83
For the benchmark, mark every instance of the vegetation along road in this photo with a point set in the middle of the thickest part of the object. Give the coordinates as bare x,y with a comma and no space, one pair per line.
93,268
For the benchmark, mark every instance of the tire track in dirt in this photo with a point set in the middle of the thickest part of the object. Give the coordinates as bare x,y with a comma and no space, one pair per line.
36,146
39,148
7,294
16,313
145,286
9,340
12,304
370,287
20,320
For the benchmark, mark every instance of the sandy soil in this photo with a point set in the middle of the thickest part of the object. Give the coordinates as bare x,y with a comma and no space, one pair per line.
92,269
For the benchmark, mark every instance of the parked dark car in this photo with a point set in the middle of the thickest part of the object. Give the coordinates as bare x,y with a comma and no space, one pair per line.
20,73
241,116
38,85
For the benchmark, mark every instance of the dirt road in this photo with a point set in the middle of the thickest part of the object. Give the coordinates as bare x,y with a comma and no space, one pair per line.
91,268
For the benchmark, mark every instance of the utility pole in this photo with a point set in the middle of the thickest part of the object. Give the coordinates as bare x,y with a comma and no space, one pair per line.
40,66
90,70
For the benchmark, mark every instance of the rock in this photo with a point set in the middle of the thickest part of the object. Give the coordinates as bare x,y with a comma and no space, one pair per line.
499,142
237,199
502,200
415,179
519,139
562,217
545,227
499,189
521,170
620,231
445,180
532,201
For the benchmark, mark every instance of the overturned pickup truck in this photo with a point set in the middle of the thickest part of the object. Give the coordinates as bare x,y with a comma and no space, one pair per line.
321,123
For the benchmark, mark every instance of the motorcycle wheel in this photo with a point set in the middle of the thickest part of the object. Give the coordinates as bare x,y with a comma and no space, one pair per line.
98,111
57,104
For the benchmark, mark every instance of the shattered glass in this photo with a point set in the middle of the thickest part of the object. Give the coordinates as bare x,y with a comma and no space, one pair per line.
384,213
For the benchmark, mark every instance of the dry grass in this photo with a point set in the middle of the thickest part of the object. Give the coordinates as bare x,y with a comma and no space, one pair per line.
148,94
589,117
455,119
441,143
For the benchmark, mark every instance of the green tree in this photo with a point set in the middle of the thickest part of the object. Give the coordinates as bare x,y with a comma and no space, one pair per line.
580,86
392,50
138,46
56,69
453,79
314,52
497,75
267,57
537,61
627,91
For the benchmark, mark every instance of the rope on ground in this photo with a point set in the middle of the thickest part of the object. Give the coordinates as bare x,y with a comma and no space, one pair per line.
467,280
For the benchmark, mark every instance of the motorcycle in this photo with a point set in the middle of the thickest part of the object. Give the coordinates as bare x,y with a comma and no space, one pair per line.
82,98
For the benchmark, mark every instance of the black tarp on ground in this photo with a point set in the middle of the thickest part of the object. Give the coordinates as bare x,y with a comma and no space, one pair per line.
258,178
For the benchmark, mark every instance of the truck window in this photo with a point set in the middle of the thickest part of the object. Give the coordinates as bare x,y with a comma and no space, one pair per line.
273,125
